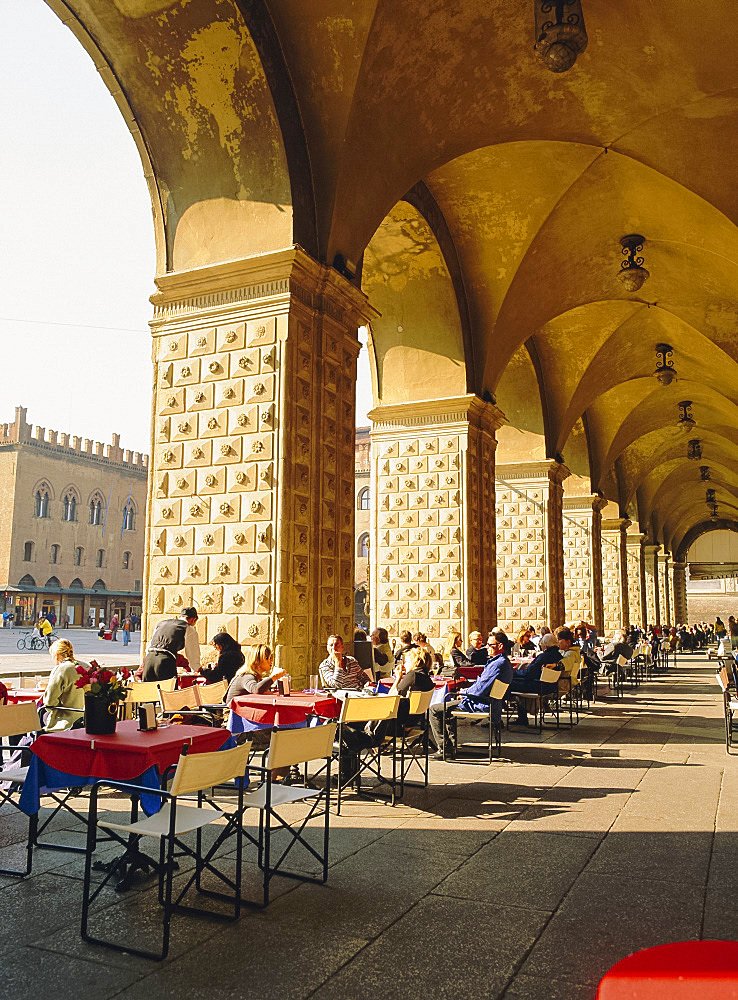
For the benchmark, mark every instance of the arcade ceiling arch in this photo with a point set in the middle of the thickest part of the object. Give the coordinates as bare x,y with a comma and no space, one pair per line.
266,124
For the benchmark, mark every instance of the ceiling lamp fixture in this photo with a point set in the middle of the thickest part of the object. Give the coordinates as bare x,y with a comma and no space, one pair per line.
709,497
705,473
713,508
560,33
686,421
694,450
665,370
632,273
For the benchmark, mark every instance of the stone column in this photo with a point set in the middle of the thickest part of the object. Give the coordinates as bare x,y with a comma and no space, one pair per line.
650,562
636,569
679,592
530,552
665,609
433,468
250,517
582,539
616,596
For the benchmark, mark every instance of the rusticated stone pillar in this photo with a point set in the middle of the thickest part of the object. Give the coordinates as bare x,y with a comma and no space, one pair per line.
636,577
664,558
530,552
679,592
433,467
651,569
582,539
251,510
615,574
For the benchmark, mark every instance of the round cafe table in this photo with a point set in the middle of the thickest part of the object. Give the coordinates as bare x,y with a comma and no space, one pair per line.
265,711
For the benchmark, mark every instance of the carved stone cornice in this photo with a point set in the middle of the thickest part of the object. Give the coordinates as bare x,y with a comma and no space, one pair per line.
616,524
426,413
274,278
556,472
584,504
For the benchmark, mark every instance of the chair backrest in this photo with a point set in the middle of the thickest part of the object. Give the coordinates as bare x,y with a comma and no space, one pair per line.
499,690
298,746
17,720
621,661
358,709
550,676
574,673
721,677
210,694
176,701
419,702
145,692
196,771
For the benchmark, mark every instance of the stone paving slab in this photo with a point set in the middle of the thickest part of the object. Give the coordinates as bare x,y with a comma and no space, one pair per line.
524,880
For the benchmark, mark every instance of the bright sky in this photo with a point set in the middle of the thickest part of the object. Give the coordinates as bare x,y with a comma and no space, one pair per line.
77,260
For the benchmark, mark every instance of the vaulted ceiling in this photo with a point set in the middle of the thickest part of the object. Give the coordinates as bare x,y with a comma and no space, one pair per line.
263,123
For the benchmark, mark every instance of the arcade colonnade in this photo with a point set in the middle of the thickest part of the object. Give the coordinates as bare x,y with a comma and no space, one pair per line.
415,170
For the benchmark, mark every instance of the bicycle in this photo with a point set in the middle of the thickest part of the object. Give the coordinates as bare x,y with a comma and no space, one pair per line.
31,641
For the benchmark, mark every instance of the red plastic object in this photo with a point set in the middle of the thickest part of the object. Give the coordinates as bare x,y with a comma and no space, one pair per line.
685,970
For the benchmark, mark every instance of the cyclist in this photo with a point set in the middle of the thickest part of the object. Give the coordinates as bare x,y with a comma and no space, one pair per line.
45,629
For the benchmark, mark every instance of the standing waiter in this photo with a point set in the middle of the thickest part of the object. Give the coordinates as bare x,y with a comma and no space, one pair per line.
168,639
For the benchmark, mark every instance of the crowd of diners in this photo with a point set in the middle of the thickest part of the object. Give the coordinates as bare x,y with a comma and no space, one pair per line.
409,660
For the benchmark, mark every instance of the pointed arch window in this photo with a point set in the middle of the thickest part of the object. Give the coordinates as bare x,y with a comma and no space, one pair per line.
363,546
42,502
54,554
78,554
27,551
100,557
364,499
126,560
69,507
96,509
129,516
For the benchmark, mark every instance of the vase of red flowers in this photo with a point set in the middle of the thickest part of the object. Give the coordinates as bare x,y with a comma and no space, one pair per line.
105,689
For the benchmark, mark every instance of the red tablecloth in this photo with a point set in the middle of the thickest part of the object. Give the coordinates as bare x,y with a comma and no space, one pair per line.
187,680
127,753
285,710
470,673
18,695
679,971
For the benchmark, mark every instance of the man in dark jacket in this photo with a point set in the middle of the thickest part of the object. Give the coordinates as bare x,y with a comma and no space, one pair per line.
477,651
168,639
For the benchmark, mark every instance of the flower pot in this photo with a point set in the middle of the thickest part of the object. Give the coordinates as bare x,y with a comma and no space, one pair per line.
100,715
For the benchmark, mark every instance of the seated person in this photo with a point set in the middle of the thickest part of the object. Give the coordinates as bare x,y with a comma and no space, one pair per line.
476,697
417,677
528,679
421,639
612,650
457,656
339,670
523,645
230,659
382,651
406,644
62,696
477,651
571,655
257,674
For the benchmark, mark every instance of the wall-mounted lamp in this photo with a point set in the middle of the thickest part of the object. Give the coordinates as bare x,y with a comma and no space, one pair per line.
705,473
560,33
686,421
665,370
694,450
632,273
709,497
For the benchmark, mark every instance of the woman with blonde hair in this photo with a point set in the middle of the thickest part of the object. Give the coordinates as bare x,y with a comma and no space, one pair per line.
257,673
64,702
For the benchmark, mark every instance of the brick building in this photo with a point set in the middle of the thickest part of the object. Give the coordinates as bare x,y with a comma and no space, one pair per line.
72,525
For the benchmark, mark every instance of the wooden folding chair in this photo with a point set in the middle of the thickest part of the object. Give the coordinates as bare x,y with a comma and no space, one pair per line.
497,693
17,720
414,744
548,689
180,814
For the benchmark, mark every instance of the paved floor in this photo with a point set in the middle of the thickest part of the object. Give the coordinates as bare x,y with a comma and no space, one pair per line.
525,880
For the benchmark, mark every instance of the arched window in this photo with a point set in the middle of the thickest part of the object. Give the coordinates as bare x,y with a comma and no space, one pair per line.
41,508
78,554
100,557
99,585
126,560
54,554
53,581
363,546
27,581
129,515
97,509
69,507
28,552
76,584
363,499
